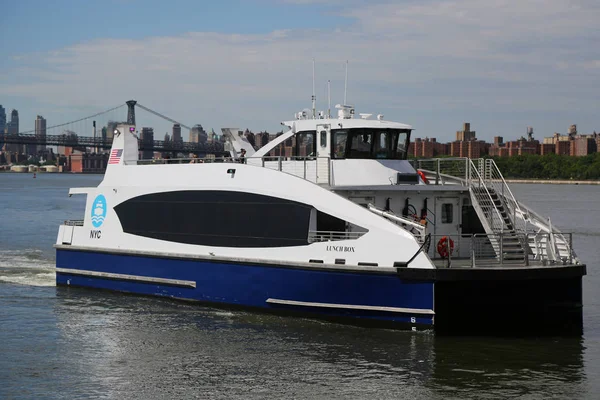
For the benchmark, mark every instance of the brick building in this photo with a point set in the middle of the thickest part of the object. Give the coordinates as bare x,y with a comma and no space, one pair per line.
583,145
547,148
563,147
87,163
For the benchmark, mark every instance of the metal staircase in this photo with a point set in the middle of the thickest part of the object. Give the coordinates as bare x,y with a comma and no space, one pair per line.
509,244
515,231
505,240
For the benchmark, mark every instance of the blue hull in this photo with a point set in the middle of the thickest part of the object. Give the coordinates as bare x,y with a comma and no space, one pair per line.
361,297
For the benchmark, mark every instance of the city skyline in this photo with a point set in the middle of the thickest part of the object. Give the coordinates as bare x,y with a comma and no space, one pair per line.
175,130
502,66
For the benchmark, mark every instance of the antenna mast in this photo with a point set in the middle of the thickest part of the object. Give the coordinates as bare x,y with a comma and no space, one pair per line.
314,97
328,98
346,83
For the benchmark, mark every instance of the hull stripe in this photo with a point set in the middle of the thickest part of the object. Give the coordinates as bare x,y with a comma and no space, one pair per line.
125,277
352,307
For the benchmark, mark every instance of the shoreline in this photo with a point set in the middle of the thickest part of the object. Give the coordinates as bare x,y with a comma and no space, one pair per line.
553,181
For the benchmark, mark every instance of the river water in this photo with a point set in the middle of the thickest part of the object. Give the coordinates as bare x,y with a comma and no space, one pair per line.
66,343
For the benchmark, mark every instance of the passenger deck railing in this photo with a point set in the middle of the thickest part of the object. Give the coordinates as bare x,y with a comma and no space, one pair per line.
478,250
313,169
489,189
444,171
186,160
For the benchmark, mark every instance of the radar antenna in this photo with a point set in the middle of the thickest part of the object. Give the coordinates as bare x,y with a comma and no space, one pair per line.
328,98
314,97
346,83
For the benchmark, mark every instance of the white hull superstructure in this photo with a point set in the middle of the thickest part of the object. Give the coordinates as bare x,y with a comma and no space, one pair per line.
345,227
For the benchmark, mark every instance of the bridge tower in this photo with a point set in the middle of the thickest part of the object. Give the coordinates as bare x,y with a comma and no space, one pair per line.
131,112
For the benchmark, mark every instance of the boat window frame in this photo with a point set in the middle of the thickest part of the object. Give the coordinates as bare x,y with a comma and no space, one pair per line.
334,144
447,216
296,147
396,150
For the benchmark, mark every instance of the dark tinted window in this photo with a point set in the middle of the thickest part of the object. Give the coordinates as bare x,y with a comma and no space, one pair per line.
217,218
338,148
305,144
361,143
447,210
387,144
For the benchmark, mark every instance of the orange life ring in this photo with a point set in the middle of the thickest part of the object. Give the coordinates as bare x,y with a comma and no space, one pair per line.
423,177
445,247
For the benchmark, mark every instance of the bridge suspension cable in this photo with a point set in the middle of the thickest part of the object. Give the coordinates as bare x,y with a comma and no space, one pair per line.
162,116
74,122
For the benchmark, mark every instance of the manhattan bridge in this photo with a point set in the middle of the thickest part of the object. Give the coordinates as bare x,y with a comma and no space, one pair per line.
69,134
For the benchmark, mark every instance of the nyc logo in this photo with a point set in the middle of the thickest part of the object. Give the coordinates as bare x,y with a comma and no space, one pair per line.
98,211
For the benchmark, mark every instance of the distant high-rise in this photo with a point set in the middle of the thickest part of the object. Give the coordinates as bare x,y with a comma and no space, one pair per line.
147,138
198,134
2,125
12,128
176,137
40,132
2,118
466,134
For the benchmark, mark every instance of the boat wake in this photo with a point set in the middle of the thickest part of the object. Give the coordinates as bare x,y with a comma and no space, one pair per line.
26,267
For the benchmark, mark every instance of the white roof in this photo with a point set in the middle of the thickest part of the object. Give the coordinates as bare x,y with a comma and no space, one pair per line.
300,125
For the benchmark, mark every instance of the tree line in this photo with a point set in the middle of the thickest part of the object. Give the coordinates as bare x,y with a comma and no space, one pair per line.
550,166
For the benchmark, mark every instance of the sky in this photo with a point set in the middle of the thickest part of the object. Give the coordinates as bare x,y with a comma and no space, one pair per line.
501,65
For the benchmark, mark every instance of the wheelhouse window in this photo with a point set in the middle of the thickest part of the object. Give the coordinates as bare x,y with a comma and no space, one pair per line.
339,138
400,144
382,144
361,143
305,144
364,143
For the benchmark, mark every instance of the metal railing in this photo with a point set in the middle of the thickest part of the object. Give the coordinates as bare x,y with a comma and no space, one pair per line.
542,225
330,236
491,195
187,160
495,180
483,201
417,229
478,250
313,169
444,171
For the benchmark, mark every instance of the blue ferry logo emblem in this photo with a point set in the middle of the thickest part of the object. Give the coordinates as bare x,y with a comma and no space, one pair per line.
98,211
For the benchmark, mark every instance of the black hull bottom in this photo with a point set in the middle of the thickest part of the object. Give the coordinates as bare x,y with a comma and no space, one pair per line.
531,307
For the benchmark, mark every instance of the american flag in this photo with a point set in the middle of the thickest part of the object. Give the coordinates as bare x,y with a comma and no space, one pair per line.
115,156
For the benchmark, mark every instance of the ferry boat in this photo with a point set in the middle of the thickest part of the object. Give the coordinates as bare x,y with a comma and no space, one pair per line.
345,228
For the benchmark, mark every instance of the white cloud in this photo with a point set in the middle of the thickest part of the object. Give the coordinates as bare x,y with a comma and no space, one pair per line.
457,58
